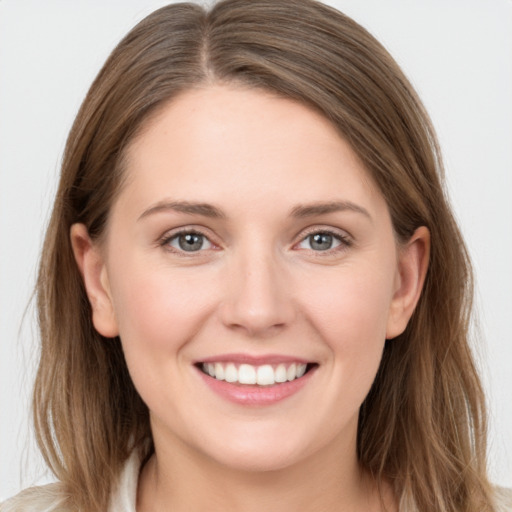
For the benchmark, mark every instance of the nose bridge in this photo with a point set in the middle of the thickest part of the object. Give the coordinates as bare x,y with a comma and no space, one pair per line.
259,297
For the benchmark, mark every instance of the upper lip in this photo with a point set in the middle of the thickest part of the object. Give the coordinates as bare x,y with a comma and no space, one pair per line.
254,360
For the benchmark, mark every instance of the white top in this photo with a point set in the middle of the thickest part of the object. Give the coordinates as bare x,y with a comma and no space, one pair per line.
48,498
124,498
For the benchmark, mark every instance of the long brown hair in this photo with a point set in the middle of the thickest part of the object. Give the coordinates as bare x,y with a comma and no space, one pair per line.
423,424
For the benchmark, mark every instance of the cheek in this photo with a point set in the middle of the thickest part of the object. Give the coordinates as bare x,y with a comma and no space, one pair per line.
353,308
158,310
351,316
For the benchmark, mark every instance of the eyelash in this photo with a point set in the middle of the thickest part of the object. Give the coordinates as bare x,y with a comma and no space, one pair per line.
166,240
344,240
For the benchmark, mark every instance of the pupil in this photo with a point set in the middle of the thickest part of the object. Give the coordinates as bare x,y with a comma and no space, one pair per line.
191,242
321,241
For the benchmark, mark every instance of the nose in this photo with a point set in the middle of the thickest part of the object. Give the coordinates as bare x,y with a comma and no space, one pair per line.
258,299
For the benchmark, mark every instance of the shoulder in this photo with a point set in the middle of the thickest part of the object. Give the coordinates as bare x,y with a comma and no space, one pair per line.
52,497
46,498
503,499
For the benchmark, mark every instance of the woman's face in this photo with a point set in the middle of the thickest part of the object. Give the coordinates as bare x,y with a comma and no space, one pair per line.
249,242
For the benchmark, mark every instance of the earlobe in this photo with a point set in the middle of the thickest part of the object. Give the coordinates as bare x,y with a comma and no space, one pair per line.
411,272
90,262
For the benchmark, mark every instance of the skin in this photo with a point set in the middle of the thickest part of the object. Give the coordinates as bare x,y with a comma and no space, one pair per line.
256,286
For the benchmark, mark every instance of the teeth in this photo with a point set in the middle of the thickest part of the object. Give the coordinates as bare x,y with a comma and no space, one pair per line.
301,370
219,372
280,374
231,373
265,375
247,374
291,372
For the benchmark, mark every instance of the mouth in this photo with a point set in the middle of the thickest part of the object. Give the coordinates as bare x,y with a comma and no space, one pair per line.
256,375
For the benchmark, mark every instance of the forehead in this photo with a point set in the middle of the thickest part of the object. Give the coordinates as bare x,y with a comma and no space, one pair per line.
245,144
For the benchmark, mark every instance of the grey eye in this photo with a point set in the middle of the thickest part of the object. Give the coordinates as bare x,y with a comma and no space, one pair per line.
190,242
321,241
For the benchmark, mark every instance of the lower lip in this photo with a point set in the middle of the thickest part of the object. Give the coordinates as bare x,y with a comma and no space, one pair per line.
256,395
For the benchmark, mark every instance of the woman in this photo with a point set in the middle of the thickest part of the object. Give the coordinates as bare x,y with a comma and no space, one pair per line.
253,292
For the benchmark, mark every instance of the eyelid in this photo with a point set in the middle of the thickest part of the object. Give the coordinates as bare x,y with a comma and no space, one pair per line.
345,239
163,241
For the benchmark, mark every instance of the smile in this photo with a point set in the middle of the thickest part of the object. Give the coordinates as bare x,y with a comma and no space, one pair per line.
255,381
248,374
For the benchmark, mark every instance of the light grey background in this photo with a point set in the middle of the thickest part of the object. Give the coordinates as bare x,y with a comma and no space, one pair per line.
458,54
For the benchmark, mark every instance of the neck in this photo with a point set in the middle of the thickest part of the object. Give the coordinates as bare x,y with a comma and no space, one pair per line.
184,479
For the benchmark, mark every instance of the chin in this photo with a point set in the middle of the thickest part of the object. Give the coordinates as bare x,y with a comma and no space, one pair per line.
258,453
258,461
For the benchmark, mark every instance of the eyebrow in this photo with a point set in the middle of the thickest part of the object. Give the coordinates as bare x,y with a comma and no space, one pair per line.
310,210
204,209
208,210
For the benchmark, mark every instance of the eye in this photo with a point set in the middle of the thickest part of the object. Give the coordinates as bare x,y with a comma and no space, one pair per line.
322,241
189,241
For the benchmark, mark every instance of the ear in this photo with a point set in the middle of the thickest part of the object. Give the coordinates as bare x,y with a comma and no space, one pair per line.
94,274
412,268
